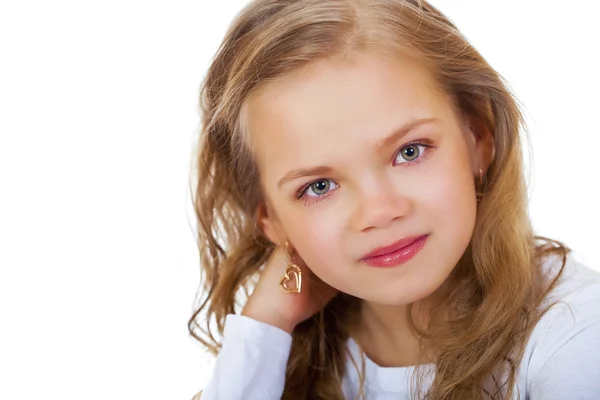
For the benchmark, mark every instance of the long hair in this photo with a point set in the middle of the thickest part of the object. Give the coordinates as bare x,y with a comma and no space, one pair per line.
498,286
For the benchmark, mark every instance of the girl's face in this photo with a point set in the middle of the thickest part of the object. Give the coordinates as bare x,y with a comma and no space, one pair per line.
358,154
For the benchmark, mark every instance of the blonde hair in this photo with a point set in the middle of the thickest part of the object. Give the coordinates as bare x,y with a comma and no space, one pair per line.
497,287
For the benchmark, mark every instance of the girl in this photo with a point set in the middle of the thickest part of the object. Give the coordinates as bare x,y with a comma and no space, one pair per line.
361,169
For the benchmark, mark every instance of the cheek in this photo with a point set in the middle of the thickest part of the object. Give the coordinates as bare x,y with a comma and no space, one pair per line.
452,204
318,235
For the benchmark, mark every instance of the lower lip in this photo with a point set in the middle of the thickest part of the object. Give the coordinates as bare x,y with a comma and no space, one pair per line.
397,257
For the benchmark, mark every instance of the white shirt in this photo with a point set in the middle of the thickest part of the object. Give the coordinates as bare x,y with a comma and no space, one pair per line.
561,359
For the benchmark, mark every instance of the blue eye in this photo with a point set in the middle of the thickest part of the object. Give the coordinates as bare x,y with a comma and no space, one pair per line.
410,153
320,187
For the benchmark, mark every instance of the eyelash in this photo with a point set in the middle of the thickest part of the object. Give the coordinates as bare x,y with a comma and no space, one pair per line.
301,193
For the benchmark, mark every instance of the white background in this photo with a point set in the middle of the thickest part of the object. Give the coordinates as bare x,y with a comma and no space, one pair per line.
98,115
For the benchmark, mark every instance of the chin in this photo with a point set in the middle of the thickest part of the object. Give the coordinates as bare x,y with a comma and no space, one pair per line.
398,299
402,290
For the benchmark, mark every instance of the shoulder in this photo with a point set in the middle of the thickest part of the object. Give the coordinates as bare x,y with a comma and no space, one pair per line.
578,286
570,330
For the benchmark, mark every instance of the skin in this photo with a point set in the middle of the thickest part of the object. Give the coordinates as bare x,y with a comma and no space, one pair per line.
340,113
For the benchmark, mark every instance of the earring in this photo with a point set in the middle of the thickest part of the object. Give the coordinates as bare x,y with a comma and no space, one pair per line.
480,183
292,279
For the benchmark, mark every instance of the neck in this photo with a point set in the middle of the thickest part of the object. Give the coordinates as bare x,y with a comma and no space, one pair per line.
386,337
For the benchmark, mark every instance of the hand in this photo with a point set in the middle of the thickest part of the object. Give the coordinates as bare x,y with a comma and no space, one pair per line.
269,304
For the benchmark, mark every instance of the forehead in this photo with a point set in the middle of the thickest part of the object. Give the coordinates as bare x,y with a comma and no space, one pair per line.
337,107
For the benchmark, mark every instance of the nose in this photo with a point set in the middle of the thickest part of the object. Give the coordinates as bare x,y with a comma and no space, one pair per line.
379,206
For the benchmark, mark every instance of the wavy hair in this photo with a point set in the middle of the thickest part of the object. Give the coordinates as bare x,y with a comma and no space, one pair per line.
499,285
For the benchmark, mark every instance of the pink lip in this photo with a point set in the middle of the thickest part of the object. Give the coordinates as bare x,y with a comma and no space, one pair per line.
396,253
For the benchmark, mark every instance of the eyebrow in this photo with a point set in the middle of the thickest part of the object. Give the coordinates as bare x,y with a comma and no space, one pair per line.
396,135
404,130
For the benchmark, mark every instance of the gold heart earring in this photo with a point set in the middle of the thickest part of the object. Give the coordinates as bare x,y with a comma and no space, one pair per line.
480,185
292,279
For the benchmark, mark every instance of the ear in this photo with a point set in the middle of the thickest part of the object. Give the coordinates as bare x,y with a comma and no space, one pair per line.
267,222
483,140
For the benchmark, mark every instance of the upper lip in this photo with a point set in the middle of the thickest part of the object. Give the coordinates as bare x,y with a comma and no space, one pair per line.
397,245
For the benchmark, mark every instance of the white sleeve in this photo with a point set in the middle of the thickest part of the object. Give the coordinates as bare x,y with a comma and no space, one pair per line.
568,363
252,362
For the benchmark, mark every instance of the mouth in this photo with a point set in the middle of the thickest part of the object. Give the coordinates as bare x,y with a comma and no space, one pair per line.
397,253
